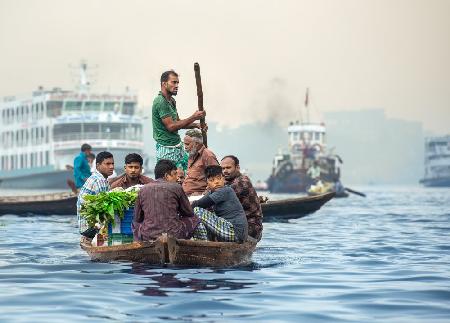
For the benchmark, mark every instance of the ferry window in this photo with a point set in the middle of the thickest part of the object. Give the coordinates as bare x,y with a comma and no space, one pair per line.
92,106
111,106
46,135
47,158
73,106
128,108
54,108
112,129
66,129
91,127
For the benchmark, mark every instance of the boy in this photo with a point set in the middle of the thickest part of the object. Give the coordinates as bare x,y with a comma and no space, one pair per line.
227,222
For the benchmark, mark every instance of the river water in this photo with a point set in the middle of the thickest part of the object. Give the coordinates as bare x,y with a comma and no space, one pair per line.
381,258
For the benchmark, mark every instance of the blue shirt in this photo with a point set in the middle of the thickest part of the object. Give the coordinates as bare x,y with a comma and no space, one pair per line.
81,169
95,184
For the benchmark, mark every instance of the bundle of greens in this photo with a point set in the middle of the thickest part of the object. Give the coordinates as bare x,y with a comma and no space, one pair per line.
101,208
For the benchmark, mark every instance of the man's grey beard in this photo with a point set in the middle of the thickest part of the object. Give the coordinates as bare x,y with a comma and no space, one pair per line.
193,152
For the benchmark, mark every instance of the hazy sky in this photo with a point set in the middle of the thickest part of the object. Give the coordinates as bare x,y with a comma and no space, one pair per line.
257,57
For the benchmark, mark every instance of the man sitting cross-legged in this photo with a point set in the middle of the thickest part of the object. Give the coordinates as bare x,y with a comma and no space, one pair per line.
228,221
163,207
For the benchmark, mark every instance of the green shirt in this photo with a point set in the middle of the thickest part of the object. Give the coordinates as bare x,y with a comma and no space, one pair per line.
161,109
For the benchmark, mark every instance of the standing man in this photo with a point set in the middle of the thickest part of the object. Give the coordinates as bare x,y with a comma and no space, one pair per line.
133,173
166,121
199,158
246,194
81,168
96,183
163,207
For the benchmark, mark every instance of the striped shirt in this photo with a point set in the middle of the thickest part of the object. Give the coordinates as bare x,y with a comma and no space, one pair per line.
95,184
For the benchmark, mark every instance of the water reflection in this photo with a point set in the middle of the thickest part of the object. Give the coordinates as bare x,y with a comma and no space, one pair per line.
161,281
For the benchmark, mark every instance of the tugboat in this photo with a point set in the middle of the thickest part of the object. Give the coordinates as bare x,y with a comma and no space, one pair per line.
307,145
437,162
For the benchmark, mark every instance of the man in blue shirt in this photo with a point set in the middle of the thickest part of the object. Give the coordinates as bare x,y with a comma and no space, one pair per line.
81,168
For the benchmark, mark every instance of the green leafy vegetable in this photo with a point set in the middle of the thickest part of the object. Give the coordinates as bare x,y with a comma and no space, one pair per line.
101,208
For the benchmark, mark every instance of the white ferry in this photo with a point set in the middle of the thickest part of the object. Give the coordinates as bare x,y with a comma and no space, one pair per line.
41,133
437,162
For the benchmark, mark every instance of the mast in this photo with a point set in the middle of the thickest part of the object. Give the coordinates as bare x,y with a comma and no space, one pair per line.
306,104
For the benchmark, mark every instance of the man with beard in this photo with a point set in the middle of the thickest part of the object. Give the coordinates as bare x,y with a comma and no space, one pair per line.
246,194
166,121
132,175
199,158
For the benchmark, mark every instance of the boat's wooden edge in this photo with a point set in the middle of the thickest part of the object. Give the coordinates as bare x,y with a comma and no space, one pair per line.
86,245
49,197
323,196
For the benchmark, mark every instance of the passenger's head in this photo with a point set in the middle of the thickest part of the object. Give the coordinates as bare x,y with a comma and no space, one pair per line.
180,176
165,169
105,163
230,167
214,177
193,141
90,158
86,149
133,165
169,82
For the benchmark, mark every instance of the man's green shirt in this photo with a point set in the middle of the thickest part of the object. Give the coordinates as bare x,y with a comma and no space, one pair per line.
161,109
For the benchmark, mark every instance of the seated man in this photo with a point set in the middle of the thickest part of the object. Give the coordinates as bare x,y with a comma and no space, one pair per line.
227,222
163,207
246,194
199,158
180,176
132,175
314,172
95,184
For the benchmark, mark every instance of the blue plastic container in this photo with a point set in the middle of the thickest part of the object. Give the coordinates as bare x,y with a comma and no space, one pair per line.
125,223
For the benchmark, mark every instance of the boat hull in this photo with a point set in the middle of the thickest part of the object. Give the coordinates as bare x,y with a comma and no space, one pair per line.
436,182
167,250
294,208
48,180
46,204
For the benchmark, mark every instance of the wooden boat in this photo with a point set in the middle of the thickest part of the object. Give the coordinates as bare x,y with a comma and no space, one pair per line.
61,203
168,250
294,208
65,204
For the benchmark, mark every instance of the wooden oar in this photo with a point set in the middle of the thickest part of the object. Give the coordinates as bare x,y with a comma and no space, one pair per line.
198,81
355,192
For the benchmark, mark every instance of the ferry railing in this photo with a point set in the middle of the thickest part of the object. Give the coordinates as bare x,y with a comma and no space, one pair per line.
95,135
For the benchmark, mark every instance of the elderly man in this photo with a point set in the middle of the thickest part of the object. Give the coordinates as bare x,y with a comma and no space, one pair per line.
166,121
246,194
133,173
199,158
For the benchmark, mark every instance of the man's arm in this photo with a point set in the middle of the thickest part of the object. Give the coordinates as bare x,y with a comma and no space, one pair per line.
173,126
185,208
138,213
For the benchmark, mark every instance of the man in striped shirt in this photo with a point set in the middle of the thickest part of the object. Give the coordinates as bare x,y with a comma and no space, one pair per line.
96,183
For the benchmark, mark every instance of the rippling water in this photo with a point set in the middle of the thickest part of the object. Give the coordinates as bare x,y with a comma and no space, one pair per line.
383,258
